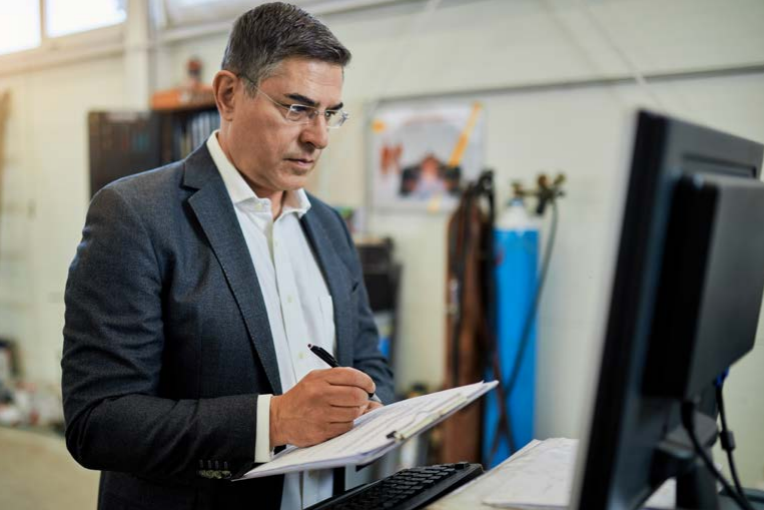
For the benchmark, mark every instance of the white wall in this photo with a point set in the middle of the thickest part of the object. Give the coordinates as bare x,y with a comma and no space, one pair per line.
473,47
45,197
465,47
582,131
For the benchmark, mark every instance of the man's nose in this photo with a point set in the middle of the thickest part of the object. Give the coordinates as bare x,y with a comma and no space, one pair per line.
316,132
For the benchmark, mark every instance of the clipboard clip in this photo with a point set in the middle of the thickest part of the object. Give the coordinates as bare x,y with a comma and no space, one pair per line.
417,427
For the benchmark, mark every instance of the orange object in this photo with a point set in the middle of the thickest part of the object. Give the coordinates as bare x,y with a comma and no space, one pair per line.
183,98
464,138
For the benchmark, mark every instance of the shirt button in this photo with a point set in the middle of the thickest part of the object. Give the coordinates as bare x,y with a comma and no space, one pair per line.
289,299
302,355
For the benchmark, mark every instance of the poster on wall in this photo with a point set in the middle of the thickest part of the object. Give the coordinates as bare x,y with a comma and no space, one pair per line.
422,155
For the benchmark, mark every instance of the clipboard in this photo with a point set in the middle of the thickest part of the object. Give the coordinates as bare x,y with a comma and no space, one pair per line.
375,433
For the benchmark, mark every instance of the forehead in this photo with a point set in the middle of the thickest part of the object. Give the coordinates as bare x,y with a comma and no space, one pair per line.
314,79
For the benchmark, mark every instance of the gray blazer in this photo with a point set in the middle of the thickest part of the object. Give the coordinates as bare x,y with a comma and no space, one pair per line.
167,342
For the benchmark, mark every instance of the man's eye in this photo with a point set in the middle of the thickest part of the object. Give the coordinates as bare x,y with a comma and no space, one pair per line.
330,113
300,109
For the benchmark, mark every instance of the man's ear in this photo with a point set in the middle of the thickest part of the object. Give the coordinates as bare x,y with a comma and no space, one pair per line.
224,87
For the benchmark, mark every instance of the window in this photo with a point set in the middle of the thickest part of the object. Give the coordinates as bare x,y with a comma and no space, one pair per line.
64,17
19,26
22,27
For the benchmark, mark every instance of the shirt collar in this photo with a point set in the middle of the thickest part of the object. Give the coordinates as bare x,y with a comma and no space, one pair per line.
294,201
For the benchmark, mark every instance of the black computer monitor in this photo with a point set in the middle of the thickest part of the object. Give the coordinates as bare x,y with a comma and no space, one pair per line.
686,298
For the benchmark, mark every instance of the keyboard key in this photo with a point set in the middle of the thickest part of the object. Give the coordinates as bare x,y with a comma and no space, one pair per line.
408,489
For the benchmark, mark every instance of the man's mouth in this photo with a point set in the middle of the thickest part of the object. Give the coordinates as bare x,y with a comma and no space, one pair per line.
303,161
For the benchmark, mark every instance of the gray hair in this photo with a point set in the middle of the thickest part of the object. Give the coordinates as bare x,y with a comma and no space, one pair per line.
267,35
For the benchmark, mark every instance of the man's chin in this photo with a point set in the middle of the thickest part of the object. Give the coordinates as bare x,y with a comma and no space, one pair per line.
301,173
295,180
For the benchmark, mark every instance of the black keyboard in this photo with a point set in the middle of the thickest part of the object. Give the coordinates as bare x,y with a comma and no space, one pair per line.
407,489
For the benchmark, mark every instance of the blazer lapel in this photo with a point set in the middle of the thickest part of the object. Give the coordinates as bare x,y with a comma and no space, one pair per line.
340,283
214,210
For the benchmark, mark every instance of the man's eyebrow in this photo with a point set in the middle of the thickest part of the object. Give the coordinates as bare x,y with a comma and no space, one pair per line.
302,99
309,102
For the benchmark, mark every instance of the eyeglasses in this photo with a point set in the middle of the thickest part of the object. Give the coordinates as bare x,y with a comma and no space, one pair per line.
304,114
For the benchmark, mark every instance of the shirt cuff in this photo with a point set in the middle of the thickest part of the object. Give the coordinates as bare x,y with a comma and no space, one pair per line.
263,451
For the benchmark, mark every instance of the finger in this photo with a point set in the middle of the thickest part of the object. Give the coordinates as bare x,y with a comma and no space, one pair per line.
345,414
346,376
335,429
346,396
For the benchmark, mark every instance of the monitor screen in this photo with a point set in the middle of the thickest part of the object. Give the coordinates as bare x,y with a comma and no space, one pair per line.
686,298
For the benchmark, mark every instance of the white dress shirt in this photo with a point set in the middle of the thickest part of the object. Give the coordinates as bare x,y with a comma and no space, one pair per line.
297,301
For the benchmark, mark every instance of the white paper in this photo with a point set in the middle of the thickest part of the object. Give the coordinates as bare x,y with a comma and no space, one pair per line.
368,440
542,477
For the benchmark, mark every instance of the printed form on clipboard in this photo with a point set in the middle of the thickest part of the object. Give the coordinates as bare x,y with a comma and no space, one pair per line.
376,433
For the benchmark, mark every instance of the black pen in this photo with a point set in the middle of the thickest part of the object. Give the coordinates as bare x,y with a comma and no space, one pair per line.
329,360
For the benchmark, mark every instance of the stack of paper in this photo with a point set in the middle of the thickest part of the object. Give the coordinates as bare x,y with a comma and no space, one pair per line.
375,433
540,476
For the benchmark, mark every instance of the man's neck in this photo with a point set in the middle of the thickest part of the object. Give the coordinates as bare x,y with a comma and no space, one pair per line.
276,197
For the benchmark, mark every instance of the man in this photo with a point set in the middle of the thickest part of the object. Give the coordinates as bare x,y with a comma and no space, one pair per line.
197,287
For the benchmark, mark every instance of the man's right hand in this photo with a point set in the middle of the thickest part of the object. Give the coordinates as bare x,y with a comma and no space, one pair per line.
319,407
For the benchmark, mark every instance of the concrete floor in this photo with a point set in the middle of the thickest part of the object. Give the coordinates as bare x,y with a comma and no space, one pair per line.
37,473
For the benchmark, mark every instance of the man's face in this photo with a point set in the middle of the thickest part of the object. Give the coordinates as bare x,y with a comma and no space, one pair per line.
273,153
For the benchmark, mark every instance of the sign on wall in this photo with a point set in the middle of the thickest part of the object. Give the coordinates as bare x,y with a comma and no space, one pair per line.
422,155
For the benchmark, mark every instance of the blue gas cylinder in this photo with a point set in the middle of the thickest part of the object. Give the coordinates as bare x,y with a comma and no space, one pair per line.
516,244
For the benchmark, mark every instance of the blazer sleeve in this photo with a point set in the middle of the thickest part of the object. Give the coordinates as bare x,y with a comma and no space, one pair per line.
111,366
366,354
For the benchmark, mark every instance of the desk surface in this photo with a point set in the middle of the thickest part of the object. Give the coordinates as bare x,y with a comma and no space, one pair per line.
494,481
472,494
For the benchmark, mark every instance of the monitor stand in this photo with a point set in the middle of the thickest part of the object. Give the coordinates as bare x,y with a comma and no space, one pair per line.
676,457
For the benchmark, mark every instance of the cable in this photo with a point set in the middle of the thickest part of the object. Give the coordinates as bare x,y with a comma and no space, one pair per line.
403,50
459,262
488,323
528,324
639,77
688,420
727,439
460,226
